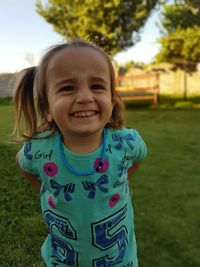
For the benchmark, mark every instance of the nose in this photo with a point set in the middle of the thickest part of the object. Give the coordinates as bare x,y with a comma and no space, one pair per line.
84,95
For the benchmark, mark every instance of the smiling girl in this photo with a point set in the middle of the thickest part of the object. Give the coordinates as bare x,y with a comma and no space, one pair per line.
84,187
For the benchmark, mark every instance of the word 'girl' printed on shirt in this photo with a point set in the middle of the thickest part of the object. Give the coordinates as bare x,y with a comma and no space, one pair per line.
38,155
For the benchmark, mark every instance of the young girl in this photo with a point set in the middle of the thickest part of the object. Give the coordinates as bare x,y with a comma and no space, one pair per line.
79,155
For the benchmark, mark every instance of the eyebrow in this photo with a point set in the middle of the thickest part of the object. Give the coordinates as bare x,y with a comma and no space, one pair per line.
72,80
99,79
68,80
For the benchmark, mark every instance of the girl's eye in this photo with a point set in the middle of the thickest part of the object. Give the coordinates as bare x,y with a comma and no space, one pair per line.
97,87
66,88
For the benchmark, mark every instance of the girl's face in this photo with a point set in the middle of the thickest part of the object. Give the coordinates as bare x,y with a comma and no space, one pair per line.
79,91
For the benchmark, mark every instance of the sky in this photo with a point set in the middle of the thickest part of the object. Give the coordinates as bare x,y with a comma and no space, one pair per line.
25,36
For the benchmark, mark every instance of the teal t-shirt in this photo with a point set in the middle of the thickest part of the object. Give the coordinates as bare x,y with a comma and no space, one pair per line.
89,218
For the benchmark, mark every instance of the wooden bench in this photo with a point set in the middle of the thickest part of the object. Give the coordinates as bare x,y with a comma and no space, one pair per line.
139,87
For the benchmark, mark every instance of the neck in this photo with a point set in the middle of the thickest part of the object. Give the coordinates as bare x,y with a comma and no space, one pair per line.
83,144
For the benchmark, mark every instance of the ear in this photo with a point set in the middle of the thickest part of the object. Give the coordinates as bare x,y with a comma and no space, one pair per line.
50,120
49,115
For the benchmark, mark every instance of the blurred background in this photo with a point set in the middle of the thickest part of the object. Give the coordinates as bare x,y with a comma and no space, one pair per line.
154,47
140,36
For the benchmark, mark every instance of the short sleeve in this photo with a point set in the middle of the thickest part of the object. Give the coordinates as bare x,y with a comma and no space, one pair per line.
25,158
140,147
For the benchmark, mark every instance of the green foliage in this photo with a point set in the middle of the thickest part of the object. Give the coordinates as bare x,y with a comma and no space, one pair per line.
131,64
182,14
191,49
112,24
181,24
180,46
5,101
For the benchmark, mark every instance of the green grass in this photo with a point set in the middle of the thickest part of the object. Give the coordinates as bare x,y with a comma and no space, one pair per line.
22,229
166,189
165,193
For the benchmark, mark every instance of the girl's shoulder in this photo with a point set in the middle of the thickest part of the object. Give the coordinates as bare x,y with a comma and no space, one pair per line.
124,136
42,138
129,140
123,132
36,150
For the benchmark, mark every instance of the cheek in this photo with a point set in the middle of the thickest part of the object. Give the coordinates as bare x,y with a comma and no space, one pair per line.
107,108
106,99
59,103
57,107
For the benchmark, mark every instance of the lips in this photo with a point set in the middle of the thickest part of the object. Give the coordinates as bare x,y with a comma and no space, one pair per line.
84,114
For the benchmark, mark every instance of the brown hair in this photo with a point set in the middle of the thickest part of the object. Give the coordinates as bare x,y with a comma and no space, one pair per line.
30,98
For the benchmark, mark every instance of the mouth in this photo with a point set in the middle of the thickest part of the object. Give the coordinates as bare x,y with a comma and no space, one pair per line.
84,114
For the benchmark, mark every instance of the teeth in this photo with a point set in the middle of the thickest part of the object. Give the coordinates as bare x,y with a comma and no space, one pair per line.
82,114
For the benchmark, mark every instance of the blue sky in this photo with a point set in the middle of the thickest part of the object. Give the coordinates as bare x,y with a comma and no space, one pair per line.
24,33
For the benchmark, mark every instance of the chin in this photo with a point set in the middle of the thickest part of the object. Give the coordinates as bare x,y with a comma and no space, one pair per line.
85,131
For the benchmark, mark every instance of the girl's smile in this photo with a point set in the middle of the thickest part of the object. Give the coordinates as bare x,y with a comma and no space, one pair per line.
84,114
79,93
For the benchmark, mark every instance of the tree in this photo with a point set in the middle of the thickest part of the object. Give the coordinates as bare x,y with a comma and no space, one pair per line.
181,36
113,24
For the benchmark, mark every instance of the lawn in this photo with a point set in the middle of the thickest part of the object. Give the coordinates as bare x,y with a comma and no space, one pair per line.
165,193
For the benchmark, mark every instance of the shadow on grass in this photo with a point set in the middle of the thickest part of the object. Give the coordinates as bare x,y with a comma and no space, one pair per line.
164,103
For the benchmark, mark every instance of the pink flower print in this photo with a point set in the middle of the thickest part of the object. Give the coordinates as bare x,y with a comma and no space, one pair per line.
51,202
113,200
101,166
50,168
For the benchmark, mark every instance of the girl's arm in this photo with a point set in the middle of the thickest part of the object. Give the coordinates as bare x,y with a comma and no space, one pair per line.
33,180
132,170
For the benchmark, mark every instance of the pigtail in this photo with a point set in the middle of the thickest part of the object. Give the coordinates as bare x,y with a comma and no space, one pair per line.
25,111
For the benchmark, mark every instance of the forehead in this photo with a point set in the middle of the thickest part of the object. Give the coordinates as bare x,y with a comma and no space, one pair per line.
73,60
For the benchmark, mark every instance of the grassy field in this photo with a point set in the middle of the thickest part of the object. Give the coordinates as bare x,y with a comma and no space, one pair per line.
165,193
